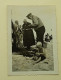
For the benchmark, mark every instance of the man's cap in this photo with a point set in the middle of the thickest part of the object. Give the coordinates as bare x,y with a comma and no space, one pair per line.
28,14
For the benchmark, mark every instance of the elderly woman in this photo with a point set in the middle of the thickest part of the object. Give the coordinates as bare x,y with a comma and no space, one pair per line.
28,37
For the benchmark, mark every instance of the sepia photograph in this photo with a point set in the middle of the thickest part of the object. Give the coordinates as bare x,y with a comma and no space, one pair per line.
32,43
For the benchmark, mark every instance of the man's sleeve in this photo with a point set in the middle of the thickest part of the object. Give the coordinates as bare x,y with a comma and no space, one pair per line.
35,21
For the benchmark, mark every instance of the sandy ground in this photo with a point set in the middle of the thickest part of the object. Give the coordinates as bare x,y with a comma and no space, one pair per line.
21,63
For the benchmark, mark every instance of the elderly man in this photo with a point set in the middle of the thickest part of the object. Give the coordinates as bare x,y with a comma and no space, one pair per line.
38,27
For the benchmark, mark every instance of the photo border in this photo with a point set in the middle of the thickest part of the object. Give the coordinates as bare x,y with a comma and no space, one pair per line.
55,57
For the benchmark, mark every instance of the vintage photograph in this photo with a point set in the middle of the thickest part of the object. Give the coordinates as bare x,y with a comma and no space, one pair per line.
32,45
